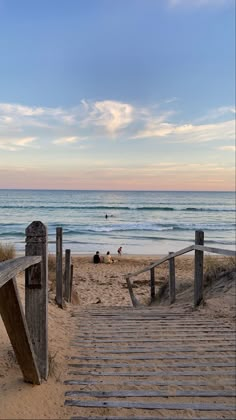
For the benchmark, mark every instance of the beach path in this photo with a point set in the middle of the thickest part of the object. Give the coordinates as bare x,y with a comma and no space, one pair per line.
148,363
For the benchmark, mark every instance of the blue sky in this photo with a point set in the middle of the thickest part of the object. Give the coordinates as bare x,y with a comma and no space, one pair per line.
127,94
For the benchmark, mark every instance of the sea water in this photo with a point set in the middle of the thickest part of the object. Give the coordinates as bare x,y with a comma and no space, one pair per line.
142,222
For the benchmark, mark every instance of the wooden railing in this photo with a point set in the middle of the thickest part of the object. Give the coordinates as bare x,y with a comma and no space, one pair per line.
28,332
199,249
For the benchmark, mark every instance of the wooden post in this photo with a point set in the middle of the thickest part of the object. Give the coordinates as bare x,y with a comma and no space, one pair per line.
36,294
59,276
152,284
198,268
171,279
134,301
14,320
71,279
67,292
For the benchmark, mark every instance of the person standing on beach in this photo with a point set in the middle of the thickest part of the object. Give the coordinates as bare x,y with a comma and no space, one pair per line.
119,250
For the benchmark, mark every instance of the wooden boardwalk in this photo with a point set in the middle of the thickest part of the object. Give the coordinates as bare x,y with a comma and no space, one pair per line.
148,363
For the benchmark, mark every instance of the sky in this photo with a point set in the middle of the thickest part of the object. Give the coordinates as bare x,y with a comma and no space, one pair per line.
117,94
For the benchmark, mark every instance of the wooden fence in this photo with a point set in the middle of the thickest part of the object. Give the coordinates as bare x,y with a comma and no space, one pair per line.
199,249
28,331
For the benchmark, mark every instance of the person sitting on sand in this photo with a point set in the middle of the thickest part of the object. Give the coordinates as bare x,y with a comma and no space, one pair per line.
96,258
108,259
119,250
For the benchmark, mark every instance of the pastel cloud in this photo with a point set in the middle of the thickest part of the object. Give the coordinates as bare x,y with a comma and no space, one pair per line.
228,148
14,144
68,140
189,133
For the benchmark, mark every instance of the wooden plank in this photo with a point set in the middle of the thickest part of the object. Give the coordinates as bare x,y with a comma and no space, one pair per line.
157,373
200,356
147,393
171,279
145,418
198,269
67,292
165,349
145,382
59,275
151,406
36,297
220,251
149,365
10,268
188,339
15,323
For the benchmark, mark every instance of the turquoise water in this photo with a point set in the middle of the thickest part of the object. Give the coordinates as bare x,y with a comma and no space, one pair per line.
142,222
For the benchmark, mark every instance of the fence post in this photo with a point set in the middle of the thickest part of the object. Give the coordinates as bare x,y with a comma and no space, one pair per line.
198,268
152,284
67,292
36,293
59,276
71,280
171,279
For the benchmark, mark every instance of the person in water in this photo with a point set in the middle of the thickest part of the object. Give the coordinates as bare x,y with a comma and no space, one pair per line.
106,216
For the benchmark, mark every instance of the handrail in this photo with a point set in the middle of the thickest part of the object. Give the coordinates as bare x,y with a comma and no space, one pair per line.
190,248
220,251
166,258
10,268
199,249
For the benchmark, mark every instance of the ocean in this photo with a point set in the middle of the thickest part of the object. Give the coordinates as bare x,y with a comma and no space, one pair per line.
142,222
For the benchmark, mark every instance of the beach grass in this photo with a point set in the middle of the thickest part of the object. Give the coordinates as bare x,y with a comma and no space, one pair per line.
7,251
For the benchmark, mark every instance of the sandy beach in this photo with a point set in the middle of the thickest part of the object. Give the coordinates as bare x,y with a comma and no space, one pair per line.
94,285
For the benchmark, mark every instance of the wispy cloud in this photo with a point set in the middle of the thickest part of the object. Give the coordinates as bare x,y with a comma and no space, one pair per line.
228,148
14,144
189,133
111,115
68,140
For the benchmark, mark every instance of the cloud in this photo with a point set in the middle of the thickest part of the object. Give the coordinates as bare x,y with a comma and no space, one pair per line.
228,148
68,140
189,133
111,115
14,144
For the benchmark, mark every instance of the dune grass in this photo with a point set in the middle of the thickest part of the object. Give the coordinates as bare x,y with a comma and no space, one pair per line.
7,252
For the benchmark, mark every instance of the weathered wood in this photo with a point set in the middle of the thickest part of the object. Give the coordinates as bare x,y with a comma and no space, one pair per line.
220,251
59,275
36,294
165,349
158,373
71,280
150,365
10,268
134,300
146,393
105,417
152,284
15,323
171,279
198,269
144,340
151,405
67,291
156,357
164,383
